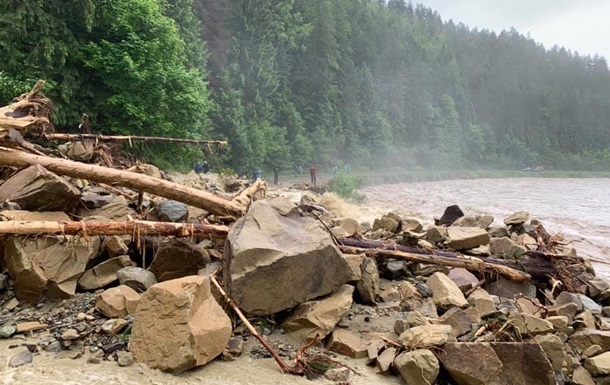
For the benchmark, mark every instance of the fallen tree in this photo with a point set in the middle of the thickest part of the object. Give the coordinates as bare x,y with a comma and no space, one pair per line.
469,263
129,138
28,113
537,265
139,182
136,228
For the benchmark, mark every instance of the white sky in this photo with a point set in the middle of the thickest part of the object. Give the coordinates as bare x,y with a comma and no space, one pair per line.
578,25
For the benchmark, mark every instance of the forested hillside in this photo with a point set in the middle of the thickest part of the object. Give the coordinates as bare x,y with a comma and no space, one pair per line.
291,82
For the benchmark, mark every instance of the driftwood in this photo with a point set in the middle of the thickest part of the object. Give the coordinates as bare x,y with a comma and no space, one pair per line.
29,113
536,264
129,139
245,197
137,228
138,182
469,263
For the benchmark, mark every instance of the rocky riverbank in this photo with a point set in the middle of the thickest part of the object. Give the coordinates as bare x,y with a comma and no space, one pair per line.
458,302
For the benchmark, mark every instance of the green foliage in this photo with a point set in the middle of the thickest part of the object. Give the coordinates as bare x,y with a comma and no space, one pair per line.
346,186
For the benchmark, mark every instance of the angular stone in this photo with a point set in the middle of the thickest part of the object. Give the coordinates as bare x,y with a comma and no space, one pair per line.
116,210
485,221
338,375
347,343
445,292
172,211
466,221
389,222
69,335
464,279
415,318
470,363
498,231
103,274
115,246
458,320
451,214
582,376
33,326
523,363
412,224
124,358
505,247
527,241
584,338
355,262
177,258
114,326
417,367
436,234
553,348
39,264
505,288
178,325
393,269
37,189
368,285
407,291
582,302
93,200
598,365
517,218
389,294
319,317
304,262
23,357
117,302
351,226
560,323
568,310
425,336
597,286
3,279
529,324
483,302
385,360
137,278
461,238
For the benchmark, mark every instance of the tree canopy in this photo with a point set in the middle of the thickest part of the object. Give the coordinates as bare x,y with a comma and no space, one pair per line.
296,82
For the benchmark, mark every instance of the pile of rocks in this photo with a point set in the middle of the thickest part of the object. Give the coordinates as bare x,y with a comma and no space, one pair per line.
427,323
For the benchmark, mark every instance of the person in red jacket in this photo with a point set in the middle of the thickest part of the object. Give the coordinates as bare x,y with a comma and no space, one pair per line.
313,171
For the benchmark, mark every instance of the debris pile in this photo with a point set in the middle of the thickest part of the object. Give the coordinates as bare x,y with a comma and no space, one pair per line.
121,265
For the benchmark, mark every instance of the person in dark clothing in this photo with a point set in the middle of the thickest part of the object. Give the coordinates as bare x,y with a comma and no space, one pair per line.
276,175
198,168
313,173
256,174
206,167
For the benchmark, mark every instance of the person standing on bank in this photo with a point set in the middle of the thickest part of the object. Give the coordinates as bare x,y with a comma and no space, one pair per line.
312,172
276,175
206,167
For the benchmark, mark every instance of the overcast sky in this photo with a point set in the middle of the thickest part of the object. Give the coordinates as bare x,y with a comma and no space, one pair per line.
578,25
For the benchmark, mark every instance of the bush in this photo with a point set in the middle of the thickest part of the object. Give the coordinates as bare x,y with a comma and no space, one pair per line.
346,186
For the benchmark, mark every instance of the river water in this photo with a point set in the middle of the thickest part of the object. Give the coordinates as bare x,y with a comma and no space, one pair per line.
579,209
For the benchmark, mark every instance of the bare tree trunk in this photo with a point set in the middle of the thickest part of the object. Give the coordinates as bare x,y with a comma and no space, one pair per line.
129,138
138,182
115,228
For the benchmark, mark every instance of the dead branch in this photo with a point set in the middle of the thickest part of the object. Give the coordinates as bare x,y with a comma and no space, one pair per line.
114,228
130,138
138,182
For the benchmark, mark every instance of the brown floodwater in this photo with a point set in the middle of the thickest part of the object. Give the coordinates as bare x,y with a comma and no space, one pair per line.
577,208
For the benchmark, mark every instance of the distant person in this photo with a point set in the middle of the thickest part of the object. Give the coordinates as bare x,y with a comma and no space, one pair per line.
198,168
206,167
276,175
300,169
312,172
256,174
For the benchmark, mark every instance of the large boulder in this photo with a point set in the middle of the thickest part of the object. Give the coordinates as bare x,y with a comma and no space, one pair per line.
137,278
37,189
275,258
172,211
347,343
451,214
368,286
319,317
103,274
177,258
116,210
506,247
496,363
178,325
49,263
461,238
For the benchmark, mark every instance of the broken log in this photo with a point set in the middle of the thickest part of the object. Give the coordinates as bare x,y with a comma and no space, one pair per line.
130,138
138,182
136,228
538,265
28,113
469,263
246,197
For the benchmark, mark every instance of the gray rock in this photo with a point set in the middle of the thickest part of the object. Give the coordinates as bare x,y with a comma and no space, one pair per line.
368,285
7,331
137,278
394,269
124,358
304,262
177,258
517,218
172,211
451,214
3,281
508,289
21,358
53,347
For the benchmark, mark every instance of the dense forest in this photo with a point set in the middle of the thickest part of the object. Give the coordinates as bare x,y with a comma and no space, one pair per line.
377,84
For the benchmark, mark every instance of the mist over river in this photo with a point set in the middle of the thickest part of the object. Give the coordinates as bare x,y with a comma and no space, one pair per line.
577,208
